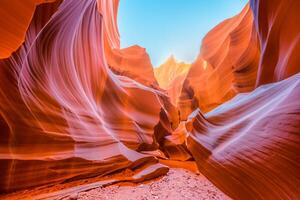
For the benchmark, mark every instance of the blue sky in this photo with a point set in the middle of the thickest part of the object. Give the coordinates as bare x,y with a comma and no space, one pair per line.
166,27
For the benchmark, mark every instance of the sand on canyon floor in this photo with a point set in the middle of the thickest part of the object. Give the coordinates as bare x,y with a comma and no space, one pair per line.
176,185
182,182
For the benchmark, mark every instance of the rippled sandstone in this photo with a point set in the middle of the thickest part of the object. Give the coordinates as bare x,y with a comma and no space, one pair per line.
65,116
248,146
13,26
74,105
227,65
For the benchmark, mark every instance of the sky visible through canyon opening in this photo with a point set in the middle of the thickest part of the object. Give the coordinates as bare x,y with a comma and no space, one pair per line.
171,27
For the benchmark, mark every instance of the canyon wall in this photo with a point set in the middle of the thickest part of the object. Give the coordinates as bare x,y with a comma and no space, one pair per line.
64,114
279,35
133,62
170,77
74,105
226,65
248,147
13,26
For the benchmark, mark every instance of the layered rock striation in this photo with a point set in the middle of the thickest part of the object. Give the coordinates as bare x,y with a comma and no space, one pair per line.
64,113
74,105
227,65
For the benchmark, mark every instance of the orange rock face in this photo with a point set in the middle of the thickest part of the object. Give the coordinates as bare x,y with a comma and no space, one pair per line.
248,146
74,105
63,112
227,65
13,26
170,76
279,34
133,62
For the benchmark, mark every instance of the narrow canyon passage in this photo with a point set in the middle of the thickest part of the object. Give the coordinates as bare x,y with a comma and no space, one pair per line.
81,117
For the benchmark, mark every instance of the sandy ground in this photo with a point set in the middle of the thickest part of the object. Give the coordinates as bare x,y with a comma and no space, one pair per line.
182,182
176,185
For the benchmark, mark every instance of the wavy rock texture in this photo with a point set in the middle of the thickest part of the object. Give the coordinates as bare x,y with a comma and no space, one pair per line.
13,26
74,105
65,114
279,34
248,147
227,65
170,76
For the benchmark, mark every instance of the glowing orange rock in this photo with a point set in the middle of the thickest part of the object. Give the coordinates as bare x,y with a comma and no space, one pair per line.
73,104
248,146
175,144
279,33
197,84
170,76
133,62
64,113
227,64
15,19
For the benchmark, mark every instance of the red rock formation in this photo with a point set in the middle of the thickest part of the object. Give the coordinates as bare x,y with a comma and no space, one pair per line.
196,84
279,33
248,147
15,19
174,145
170,70
133,62
227,65
64,113
170,76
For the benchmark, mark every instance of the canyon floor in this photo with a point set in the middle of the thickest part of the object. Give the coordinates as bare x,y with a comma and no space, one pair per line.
179,183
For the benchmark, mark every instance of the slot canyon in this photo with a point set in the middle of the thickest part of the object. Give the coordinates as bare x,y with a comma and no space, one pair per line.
79,114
